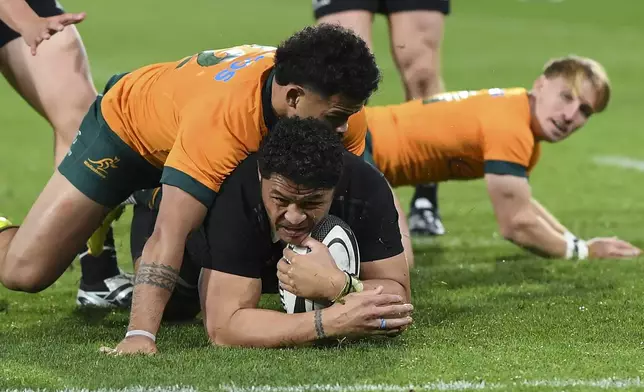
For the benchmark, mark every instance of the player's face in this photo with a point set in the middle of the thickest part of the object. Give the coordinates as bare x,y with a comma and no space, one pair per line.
335,109
561,106
292,209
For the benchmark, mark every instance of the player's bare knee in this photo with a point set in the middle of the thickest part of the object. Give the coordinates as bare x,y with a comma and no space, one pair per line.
214,336
66,116
18,275
66,124
421,73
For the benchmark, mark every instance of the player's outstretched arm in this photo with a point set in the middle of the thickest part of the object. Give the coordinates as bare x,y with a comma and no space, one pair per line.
20,17
179,214
231,316
548,217
517,218
391,273
525,225
405,235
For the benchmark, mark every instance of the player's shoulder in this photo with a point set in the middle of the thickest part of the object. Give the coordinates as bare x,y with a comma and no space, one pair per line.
237,200
515,100
504,108
228,68
358,121
494,97
243,63
504,92
234,88
360,178
243,176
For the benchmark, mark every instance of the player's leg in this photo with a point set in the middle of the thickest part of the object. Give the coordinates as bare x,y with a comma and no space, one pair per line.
98,173
56,82
102,282
424,214
58,85
36,254
416,29
356,15
416,37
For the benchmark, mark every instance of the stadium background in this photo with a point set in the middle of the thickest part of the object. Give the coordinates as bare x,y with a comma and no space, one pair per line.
486,313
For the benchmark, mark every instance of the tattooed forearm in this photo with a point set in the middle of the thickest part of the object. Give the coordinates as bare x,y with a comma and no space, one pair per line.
158,275
319,330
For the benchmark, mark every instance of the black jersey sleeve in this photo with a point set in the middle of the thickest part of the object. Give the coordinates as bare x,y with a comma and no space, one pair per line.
375,222
236,239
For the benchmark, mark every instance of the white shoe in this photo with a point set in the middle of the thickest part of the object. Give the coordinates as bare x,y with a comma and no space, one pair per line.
111,292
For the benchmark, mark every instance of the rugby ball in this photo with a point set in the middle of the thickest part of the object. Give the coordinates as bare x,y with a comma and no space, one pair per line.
343,246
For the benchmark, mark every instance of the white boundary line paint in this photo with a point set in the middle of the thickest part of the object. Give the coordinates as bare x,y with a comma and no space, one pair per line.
623,162
606,383
175,388
435,386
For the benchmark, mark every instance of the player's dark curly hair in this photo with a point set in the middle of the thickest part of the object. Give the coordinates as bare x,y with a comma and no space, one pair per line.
306,151
329,60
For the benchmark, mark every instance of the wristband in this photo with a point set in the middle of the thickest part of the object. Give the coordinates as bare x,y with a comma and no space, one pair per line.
345,289
569,236
576,249
571,244
356,285
139,332
582,250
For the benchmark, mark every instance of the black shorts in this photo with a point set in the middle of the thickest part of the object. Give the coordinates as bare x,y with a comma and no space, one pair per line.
328,7
43,8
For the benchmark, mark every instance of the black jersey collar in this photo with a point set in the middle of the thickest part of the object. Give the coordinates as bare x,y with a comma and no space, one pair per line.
270,118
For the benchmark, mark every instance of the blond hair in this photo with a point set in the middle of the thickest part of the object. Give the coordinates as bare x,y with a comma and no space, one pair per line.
576,69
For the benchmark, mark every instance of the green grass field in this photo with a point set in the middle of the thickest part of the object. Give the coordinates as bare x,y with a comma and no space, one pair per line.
488,315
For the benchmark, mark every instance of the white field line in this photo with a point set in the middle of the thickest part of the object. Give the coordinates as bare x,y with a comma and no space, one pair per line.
623,162
606,383
175,388
435,386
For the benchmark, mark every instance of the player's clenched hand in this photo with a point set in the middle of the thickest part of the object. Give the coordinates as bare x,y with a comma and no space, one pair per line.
611,248
132,345
313,275
368,313
41,29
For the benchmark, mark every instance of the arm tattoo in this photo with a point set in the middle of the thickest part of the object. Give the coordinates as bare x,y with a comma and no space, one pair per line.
158,275
319,330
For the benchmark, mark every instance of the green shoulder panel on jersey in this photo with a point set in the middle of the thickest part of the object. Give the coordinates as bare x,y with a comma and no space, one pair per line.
112,81
505,168
367,155
181,180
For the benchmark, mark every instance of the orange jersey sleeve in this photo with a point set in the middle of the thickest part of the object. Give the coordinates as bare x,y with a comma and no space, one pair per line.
208,148
536,154
508,141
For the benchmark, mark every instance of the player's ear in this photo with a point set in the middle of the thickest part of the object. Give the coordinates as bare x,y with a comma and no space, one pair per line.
293,96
